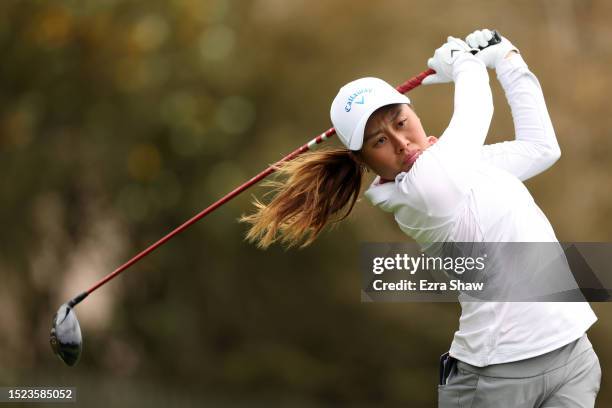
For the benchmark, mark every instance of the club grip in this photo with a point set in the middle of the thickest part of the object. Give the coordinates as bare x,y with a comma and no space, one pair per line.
496,39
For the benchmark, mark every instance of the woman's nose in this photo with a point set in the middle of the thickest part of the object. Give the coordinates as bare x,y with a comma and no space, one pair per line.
400,143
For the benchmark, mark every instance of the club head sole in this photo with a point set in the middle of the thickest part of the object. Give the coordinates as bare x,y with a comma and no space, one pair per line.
65,338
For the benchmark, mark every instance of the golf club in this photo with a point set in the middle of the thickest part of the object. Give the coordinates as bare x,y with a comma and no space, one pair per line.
66,338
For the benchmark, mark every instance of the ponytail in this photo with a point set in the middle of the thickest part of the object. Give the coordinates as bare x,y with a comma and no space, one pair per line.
314,189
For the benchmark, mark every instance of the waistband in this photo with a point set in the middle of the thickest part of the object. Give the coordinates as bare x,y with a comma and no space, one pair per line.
534,366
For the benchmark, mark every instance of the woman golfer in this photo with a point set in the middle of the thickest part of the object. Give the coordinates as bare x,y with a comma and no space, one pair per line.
453,189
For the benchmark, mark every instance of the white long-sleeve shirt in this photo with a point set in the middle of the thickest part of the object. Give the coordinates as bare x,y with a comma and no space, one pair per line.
461,191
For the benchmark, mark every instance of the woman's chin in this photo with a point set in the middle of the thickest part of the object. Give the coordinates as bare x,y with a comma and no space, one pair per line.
406,167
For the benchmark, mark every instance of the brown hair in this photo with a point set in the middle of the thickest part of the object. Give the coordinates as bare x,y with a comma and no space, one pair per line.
313,189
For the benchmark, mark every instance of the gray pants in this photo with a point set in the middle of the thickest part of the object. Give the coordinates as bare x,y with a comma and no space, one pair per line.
567,377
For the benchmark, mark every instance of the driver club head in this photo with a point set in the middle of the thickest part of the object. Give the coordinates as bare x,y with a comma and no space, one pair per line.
66,340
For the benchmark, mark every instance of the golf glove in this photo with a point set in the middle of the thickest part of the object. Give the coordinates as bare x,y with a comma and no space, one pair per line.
492,54
443,60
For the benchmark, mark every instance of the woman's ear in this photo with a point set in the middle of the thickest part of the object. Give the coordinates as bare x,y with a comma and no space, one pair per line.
432,140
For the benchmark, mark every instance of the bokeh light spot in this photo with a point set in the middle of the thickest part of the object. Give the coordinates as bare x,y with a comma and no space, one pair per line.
235,114
150,33
217,42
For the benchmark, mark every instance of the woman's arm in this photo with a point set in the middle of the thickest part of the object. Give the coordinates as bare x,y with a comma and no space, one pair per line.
441,178
535,147
473,110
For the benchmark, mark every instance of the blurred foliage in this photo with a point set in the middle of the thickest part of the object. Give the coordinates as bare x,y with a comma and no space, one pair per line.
120,119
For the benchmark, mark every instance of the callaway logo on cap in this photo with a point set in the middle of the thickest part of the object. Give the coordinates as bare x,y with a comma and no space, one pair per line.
357,97
354,104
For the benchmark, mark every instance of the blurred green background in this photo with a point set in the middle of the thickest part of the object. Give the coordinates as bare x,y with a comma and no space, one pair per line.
121,119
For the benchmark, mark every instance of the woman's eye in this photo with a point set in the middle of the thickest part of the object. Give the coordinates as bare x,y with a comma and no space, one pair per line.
402,123
380,140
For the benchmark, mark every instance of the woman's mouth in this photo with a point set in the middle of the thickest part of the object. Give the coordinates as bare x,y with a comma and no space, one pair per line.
410,158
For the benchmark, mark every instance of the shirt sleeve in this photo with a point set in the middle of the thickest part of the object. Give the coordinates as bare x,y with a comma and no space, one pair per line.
535,147
472,113
440,179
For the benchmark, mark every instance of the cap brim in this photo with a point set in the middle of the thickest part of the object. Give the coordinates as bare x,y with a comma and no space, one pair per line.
356,142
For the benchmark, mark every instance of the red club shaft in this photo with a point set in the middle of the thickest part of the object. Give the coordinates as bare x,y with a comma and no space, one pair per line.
403,88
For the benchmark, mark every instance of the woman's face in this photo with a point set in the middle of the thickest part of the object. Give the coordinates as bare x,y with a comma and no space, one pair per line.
393,140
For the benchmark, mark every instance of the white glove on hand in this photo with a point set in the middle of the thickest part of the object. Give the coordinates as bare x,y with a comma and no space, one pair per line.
443,60
492,54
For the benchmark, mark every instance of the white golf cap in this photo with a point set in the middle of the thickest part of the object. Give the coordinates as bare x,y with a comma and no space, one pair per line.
354,104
